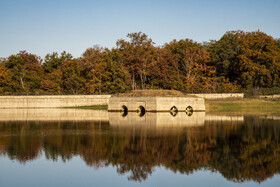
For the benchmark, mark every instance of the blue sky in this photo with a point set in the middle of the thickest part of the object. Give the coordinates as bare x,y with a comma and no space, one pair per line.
45,26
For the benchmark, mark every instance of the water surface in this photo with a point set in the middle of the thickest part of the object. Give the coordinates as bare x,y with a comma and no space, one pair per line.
68,147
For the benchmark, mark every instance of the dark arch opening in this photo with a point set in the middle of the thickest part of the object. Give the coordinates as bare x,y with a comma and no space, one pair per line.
189,111
125,110
173,111
141,111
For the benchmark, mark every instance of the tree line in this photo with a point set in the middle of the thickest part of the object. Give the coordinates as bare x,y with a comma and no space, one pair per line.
239,61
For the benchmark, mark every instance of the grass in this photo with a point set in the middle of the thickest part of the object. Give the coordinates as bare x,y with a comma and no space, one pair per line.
93,107
244,106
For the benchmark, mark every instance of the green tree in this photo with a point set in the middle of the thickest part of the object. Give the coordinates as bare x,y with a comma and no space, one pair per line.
53,61
72,81
53,76
223,54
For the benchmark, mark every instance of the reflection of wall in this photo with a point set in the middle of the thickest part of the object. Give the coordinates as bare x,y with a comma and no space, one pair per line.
214,117
52,114
271,117
52,101
160,119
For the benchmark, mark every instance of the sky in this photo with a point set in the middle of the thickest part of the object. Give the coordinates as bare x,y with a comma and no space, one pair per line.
45,26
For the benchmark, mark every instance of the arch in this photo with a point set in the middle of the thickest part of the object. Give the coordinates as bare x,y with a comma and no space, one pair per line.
125,110
189,110
173,111
141,110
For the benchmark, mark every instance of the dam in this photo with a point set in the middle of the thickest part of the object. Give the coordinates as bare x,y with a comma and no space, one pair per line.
156,104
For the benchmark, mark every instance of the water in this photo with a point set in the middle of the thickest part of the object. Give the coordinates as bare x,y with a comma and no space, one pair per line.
68,147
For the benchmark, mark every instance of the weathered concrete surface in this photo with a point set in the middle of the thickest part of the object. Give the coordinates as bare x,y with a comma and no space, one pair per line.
52,114
52,101
162,119
156,104
221,96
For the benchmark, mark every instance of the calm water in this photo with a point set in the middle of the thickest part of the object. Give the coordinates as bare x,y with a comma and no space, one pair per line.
67,147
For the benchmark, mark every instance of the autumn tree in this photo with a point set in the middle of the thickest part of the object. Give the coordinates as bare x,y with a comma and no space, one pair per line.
194,68
258,61
277,42
249,58
5,80
163,70
138,55
26,72
104,71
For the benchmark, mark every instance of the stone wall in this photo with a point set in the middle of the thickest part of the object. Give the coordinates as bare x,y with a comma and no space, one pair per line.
52,114
270,96
52,101
154,104
221,96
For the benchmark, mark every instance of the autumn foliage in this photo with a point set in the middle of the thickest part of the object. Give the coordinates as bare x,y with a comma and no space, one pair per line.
237,62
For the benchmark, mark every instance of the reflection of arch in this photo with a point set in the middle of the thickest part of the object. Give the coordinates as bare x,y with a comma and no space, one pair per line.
173,111
189,110
125,110
141,110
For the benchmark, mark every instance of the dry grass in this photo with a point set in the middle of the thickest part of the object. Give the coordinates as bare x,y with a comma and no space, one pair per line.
244,106
153,93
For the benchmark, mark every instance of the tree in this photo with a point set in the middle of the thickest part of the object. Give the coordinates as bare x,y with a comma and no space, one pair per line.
163,71
104,71
223,54
277,42
72,81
138,54
5,80
26,72
249,58
53,61
194,68
89,60
53,76
258,61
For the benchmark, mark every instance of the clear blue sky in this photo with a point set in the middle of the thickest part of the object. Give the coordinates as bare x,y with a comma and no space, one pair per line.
45,26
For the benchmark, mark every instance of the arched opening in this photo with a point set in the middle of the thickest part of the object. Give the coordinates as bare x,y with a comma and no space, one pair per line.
173,111
189,110
141,111
124,110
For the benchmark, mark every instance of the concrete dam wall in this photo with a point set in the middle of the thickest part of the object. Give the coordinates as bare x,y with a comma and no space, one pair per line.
214,96
156,104
56,101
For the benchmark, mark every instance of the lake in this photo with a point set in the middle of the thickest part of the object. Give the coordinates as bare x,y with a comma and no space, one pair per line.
74,147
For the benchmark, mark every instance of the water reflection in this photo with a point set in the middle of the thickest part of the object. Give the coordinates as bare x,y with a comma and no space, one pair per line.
241,148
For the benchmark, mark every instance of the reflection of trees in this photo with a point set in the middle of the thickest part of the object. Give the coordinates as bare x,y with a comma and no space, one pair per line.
248,151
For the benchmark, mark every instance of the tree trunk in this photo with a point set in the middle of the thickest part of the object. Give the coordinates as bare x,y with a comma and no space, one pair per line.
21,82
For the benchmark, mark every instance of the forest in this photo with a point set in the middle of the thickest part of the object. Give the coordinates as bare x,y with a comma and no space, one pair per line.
238,62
